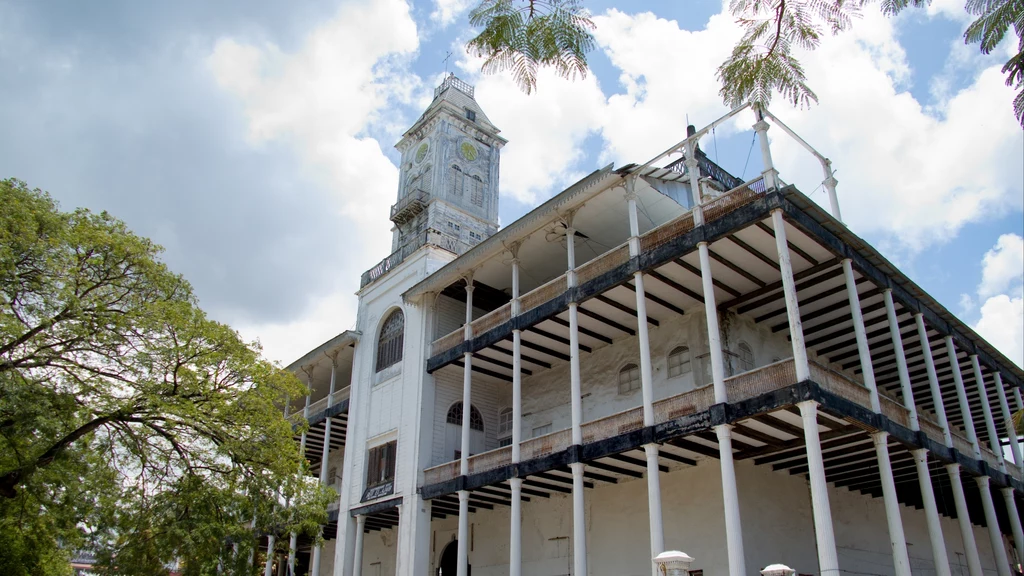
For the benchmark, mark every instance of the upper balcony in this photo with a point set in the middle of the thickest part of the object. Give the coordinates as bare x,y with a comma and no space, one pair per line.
327,371
409,206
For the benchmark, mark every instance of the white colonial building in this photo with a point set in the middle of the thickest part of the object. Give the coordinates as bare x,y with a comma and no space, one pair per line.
661,357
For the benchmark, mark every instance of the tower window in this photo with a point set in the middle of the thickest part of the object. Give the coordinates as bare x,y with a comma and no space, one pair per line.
456,181
476,195
470,115
392,340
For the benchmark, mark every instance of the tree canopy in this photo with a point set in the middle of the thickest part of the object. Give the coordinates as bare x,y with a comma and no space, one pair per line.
131,424
524,35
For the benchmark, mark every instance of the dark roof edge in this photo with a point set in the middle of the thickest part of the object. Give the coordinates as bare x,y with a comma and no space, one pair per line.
318,353
958,329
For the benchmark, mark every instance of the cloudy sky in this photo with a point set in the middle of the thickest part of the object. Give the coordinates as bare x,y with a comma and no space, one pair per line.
254,139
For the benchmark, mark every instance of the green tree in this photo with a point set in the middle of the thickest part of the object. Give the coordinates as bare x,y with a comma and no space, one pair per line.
129,421
524,35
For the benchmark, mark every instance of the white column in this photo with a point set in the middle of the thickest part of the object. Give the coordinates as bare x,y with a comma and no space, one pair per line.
314,569
574,374
900,558
796,330
293,542
964,519
579,515
574,338
961,395
830,186
714,332
462,547
864,353
931,513
579,521
515,538
654,501
269,566
828,559
1015,527
1004,408
994,535
901,359
761,127
646,383
730,499
515,529
651,450
646,373
467,380
634,221
1017,398
986,411
694,171
357,561
933,380
467,408
517,394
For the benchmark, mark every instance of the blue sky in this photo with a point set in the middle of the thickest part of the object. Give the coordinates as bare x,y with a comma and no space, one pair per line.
253,139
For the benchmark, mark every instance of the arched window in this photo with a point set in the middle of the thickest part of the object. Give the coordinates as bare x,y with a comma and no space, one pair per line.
505,422
456,181
746,359
392,338
476,421
476,191
678,361
629,379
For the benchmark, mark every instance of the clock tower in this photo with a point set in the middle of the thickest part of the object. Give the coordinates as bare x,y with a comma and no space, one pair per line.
448,177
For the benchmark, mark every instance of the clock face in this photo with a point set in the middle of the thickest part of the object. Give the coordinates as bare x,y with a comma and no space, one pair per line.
421,152
468,151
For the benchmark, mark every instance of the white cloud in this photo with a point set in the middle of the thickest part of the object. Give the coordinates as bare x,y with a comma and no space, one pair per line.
446,11
668,73
1002,289
323,100
1002,266
1002,324
905,173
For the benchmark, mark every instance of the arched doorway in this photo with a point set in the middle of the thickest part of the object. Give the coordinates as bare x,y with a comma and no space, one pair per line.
450,560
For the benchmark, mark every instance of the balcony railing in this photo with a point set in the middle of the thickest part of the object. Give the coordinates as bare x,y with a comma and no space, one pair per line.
745,386
740,387
409,206
323,403
431,237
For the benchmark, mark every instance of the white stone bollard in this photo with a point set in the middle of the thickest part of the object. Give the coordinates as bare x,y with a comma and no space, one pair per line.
673,563
777,570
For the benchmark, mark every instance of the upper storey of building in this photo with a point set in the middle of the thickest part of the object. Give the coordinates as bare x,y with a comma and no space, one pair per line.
448,177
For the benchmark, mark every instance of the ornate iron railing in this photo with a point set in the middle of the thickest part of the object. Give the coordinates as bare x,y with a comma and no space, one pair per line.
452,81
408,206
